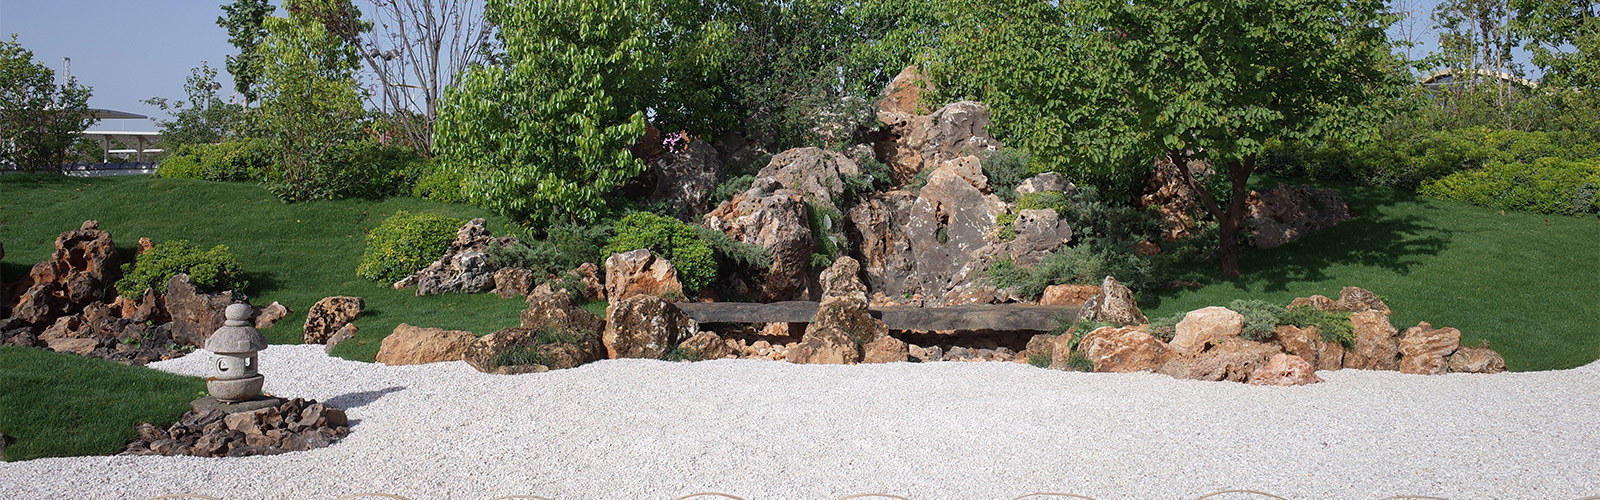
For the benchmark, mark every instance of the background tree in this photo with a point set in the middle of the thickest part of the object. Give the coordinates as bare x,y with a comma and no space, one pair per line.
310,103
39,120
244,22
418,48
1564,37
545,137
204,118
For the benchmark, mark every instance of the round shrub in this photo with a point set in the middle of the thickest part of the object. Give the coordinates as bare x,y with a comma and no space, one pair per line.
670,238
211,270
404,244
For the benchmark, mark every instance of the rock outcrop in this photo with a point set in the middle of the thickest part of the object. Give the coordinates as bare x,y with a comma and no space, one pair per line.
911,143
554,333
81,271
410,345
1115,303
1377,343
330,314
1284,213
513,282
817,174
1124,349
843,328
640,272
685,179
1177,202
1233,361
773,218
464,267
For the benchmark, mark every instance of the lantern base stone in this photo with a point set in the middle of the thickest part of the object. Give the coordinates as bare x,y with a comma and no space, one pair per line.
253,404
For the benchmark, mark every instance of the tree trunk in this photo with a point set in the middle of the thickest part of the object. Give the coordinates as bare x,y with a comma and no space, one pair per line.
1228,220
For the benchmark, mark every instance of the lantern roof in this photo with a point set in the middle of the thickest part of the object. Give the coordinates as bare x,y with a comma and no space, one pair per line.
236,335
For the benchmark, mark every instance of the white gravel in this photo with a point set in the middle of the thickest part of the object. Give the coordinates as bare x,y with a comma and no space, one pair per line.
646,430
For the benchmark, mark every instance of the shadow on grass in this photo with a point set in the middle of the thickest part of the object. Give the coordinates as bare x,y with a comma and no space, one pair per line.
1380,235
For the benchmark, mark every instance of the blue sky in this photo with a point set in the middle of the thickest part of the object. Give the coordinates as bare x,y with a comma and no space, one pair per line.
131,50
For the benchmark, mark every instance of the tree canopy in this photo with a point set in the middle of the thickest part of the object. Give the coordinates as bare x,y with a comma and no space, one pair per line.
39,120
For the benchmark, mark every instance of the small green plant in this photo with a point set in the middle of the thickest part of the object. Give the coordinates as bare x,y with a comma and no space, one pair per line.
673,240
827,231
1084,326
1334,326
404,244
1165,328
682,354
745,256
1039,359
734,185
1006,169
534,353
210,270
1067,265
1259,318
1079,363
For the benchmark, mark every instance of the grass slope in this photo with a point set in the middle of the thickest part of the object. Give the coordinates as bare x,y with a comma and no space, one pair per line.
1528,284
58,404
292,253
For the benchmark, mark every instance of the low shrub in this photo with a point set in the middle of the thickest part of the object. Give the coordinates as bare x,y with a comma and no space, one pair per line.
212,270
1334,326
670,238
404,244
439,183
1545,185
1260,318
682,354
1069,265
233,160
1410,161
1006,169
742,256
362,169
1040,360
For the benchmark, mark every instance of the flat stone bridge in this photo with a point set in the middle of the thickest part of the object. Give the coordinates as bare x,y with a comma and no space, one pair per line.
999,317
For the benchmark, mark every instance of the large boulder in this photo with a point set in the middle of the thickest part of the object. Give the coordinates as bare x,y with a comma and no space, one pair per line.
1234,361
1124,349
1115,303
843,328
81,271
936,243
525,350
330,314
842,279
640,272
905,93
556,309
464,267
911,143
1477,360
1425,350
1285,369
513,282
1205,326
773,218
410,345
885,350
1377,343
195,316
1305,343
817,174
1284,213
645,326
684,179
825,346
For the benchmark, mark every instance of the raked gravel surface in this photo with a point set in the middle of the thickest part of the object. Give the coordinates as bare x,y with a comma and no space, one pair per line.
649,430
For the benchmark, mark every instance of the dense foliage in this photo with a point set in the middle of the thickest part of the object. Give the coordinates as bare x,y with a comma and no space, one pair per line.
1545,185
209,270
671,239
234,160
404,244
1260,318
1334,326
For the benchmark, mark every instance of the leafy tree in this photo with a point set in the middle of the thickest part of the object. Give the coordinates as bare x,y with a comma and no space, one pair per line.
39,120
245,23
545,137
1564,37
204,119
310,104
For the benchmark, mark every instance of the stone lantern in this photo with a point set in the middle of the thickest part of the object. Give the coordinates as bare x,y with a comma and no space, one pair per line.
236,377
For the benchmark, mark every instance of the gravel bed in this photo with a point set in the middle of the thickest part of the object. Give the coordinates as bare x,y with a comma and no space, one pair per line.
647,430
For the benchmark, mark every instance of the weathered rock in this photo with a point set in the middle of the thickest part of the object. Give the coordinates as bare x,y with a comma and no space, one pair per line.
513,282
555,309
328,315
850,316
1114,303
289,425
1039,232
345,332
1285,213
1125,349
593,289
817,174
81,271
195,315
1425,350
410,345
775,220
825,346
645,327
464,267
885,349
530,350
1357,299
1061,352
1177,202
1233,361
640,272
684,179
1040,346
842,280
706,345
1331,356
267,316
1068,295
1377,346
925,354
1477,360
1317,302
934,242
905,93
1285,369
1202,327
1305,343
914,143
1048,181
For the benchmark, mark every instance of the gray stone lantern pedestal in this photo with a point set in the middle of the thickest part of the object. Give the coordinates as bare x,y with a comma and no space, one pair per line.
235,382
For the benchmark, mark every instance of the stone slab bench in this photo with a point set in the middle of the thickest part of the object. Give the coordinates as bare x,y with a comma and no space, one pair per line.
1024,317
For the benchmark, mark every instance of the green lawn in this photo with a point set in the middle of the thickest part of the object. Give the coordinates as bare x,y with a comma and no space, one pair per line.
1529,284
57,405
292,253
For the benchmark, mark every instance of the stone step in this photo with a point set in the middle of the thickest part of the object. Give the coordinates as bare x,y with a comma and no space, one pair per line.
1003,317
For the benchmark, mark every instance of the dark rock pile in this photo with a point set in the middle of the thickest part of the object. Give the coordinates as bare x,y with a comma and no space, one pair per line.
295,425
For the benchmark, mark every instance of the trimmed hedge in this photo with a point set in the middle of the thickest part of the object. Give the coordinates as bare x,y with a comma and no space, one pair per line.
404,244
1545,185
212,270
